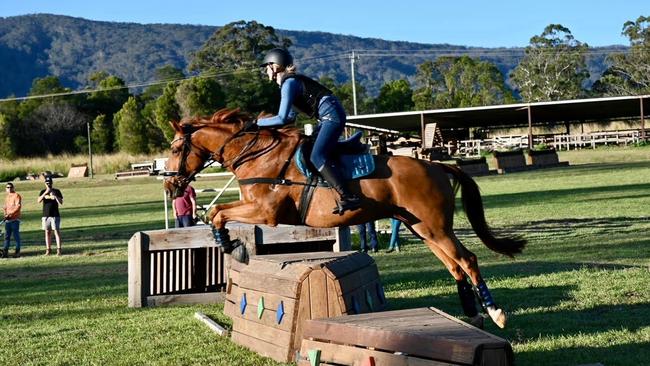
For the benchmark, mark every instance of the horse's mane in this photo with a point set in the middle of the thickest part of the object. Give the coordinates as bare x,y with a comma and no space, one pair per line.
224,115
229,115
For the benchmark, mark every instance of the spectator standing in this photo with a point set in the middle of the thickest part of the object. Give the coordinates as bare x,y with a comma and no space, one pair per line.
393,245
51,198
11,215
368,227
184,208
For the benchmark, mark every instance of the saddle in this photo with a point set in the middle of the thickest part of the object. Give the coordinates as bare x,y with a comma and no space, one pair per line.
351,157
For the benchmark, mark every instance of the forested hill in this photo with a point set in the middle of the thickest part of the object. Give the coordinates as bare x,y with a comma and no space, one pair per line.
38,45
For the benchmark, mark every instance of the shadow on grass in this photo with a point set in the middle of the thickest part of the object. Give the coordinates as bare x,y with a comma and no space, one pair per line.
49,283
560,195
91,234
624,355
414,280
527,327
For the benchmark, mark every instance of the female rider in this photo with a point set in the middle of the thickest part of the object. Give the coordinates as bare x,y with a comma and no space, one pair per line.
313,99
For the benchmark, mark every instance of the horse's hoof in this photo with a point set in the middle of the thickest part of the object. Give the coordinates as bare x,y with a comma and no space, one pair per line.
240,254
477,321
498,316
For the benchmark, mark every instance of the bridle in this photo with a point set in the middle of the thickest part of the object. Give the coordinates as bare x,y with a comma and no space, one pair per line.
245,154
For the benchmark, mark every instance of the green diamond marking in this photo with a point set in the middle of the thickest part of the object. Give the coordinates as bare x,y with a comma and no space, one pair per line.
260,308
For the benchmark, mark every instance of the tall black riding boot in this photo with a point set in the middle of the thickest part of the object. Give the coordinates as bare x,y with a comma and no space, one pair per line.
349,200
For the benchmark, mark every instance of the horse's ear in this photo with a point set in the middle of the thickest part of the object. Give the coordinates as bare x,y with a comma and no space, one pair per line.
229,114
175,126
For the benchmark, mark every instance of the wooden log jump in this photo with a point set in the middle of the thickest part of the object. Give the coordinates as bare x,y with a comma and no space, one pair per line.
270,298
184,266
424,337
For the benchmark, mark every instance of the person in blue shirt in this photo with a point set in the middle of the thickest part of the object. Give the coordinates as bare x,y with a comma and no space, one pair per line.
300,93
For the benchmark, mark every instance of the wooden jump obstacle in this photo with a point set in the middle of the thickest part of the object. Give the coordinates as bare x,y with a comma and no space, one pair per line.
184,266
181,266
423,337
270,298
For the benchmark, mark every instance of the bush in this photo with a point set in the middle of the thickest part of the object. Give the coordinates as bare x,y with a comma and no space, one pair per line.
11,174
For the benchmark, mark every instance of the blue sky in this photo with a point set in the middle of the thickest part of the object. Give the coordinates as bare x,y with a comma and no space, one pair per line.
471,22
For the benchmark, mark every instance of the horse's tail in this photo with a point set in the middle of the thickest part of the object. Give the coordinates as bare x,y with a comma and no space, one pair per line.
473,206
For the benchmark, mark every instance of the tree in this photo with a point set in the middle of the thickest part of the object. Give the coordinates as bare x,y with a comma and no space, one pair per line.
233,53
163,75
428,77
102,136
553,67
455,82
110,96
236,45
395,96
629,73
9,123
345,94
199,96
131,128
41,86
167,110
7,149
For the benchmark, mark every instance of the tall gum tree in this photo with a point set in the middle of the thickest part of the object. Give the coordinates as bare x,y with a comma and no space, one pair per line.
553,68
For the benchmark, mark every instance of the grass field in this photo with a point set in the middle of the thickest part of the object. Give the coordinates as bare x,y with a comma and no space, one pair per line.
577,295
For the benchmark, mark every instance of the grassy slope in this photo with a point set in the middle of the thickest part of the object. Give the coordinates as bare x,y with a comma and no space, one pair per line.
577,295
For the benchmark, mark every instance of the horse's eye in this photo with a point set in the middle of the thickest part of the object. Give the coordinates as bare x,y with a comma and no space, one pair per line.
175,151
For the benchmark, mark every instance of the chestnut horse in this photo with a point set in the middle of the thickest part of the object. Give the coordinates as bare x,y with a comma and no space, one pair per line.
416,192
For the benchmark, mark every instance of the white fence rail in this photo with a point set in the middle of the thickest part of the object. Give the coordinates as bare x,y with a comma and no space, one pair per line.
469,148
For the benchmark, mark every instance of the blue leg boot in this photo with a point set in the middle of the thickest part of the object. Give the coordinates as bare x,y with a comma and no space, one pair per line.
497,315
233,247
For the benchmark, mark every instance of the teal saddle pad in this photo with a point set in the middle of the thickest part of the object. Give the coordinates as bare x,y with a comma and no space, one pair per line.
352,166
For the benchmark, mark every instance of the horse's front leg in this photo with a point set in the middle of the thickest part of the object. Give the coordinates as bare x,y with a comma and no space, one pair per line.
216,208
248,213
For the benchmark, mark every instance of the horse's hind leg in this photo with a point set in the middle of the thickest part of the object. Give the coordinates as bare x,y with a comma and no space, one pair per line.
447,243
465,291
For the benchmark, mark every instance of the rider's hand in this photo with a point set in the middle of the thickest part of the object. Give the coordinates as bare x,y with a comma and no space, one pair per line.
251,125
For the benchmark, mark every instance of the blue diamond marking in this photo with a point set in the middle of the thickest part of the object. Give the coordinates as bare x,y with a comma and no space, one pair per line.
242,304
280,313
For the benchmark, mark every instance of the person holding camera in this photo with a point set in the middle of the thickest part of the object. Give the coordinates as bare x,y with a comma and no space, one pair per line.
51,198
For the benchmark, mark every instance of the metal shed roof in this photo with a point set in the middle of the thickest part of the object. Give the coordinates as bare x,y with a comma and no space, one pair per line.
581,110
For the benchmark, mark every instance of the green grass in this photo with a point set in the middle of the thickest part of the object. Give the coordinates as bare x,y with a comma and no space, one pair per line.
577,295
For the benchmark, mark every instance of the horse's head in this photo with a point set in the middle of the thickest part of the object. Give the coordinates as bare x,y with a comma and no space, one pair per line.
196,141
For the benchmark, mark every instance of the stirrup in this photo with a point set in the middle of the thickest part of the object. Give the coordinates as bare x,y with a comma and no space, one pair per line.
347,205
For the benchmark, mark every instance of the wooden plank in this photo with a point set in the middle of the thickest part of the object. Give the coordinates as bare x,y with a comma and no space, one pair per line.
280,286
179,299
294,234
230,308
138,270
318,294
221,331
333,305
300,257
366,335
195,237
280,354
276,336
271,303
352,263
355,280
301,315
345,355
